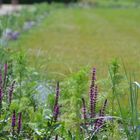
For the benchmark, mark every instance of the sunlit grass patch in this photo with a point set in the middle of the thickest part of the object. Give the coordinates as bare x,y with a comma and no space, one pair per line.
71,38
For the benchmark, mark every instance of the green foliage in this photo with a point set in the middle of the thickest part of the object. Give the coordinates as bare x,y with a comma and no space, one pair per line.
129,109
37,121
4,55
115,80
72,90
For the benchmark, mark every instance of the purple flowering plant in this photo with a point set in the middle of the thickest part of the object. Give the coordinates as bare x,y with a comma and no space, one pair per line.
6,97
93,121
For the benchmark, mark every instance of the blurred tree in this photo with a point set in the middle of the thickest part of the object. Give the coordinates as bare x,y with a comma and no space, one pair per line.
1,1
67,1
49,1
14,2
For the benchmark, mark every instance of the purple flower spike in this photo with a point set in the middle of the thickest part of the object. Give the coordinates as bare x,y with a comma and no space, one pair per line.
104,107
56,113
0,78
11,92
93,77
93,92
1,96
100,121
13,119
84,109
95,100
57,95
5,68
92,104
19,122
56,106
15,35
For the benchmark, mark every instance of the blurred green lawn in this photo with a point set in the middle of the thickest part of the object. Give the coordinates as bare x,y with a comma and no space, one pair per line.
72,38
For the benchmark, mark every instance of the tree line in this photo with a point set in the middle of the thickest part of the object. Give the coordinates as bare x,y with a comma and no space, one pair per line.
35,1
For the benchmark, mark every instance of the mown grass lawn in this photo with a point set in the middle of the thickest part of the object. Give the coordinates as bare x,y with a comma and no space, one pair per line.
71,38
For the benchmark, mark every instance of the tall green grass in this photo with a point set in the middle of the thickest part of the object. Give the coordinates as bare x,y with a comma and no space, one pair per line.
71,38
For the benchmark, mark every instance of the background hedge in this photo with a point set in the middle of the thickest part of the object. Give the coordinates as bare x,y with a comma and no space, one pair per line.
38,1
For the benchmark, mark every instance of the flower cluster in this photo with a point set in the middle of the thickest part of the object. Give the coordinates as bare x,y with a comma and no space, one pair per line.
99,122
56,105
13,124
4,86
10,34
93,101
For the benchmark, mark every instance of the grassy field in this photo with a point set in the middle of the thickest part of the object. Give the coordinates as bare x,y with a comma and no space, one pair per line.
72,38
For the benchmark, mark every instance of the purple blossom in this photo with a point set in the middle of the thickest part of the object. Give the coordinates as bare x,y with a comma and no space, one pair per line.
19,122
93,77
93,94
10,34
5,68
1,96
0,78
56,113
14,119
104,107
92,104
15,35
99,122
84,109
11,92
57,95
1,89
56,106
95,101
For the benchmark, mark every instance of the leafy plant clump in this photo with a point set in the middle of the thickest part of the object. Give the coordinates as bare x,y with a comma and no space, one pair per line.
93,122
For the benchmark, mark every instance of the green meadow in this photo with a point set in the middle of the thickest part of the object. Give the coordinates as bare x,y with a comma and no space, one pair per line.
72,38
